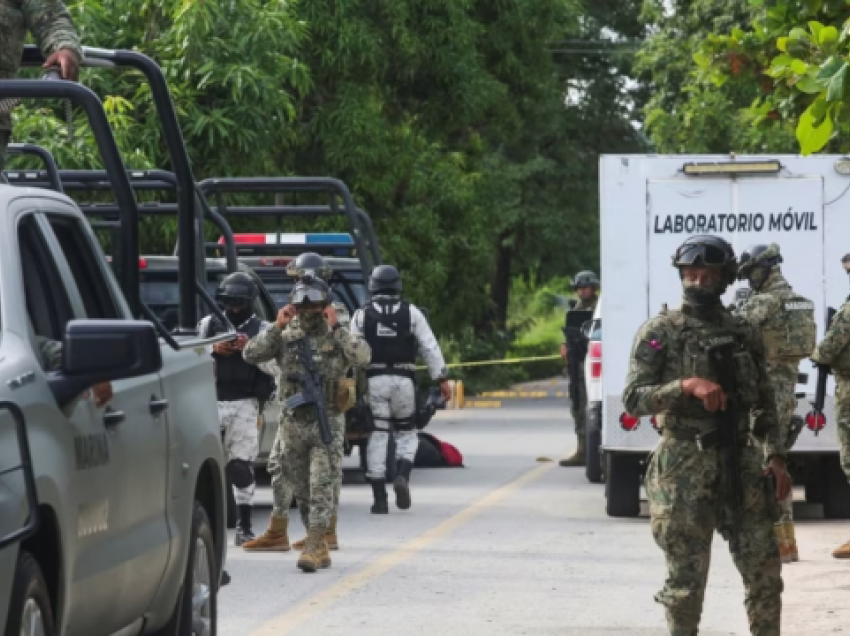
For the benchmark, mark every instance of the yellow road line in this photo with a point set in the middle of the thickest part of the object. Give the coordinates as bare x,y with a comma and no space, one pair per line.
307,609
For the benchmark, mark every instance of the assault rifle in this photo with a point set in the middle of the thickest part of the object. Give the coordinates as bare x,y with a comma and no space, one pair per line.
816,416
727,429
313,391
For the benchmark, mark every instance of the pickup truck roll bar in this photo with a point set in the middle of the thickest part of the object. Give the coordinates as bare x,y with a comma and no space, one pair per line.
24,176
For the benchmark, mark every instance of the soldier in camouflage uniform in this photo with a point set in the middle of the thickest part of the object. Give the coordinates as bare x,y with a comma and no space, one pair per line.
786,322
834,351
312,264
50,23
303,465
586,286
689,483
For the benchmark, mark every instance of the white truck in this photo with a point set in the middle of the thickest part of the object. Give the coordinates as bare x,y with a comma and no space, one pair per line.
648,206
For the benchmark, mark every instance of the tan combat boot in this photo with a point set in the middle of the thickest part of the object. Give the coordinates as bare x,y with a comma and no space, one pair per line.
330,538
274,539
784,553
315,553
578,459
791,539
842,551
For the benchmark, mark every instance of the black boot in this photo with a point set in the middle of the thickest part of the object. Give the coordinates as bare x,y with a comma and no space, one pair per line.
401,485
243,530
379,491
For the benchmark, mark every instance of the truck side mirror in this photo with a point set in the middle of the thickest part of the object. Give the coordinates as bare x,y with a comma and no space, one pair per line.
96,351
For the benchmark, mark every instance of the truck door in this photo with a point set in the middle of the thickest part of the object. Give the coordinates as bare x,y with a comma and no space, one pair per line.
787,210
136,425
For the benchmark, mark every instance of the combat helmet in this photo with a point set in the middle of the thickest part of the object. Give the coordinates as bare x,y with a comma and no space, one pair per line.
307,264
307,293
705,250
585,279
385,279
237,288
758,257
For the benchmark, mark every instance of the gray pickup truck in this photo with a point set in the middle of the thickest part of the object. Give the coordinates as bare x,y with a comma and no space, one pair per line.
112,512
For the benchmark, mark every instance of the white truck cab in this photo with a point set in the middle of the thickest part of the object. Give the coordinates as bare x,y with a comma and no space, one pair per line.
648,206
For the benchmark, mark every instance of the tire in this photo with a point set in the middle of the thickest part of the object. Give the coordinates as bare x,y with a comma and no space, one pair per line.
836,503
593,459
623,484
30,598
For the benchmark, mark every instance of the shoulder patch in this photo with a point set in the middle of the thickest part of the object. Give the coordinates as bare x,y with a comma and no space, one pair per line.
649,348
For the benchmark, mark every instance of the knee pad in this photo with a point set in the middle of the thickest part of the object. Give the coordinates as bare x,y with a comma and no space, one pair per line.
241,472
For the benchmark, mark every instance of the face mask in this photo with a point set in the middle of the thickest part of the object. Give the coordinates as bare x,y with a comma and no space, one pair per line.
238,316
702,295
311,320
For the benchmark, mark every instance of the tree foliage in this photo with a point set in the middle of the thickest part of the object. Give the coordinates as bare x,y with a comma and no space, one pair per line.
446,118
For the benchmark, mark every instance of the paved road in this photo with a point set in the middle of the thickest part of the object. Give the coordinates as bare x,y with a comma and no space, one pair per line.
507,545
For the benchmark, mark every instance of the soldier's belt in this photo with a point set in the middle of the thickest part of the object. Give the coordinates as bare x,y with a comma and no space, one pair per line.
706,439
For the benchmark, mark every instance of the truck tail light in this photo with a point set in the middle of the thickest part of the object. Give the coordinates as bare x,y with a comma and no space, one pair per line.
143,263
816,422
595,353
275,262
629,422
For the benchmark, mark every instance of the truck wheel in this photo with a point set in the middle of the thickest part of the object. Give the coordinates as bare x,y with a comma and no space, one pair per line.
836,503
593,460
30,611
623,484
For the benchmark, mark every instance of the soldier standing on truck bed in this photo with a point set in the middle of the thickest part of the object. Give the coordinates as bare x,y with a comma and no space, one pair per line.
701,372
50,23
786,322
241,387
306,465
834,351
394,329
586,287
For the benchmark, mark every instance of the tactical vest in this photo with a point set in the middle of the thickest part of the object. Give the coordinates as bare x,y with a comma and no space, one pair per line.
790,332
696,341
841,363
235,378
390,335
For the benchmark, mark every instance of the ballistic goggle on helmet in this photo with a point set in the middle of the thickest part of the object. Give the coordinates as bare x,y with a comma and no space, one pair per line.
765,256
314,293
705,250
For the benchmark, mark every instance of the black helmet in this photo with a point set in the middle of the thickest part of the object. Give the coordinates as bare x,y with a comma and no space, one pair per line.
705,250
237,288
585,279
385,278
845,259
312,292
758,256
309,263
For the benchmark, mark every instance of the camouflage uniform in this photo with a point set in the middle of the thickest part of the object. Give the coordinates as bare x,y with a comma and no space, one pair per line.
578,409
834,351
688,495
299,462
50,23
786,323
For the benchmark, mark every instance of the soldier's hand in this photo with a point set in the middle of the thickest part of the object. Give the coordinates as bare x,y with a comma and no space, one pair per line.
285,316
564,351
445,390
102,393
783,479
66,60
224,348
712,395
329,313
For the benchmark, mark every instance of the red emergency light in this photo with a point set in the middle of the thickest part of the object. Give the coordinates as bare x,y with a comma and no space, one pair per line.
252,239
629,422
815,422
143,263
275,262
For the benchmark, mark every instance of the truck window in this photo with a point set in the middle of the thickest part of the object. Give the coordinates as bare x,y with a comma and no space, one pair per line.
160,292
48,305
88,275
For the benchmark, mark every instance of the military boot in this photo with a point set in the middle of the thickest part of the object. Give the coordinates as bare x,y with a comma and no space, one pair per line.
330,538
243,528
274,539
401,485
784,552
579,457
379,492
791,539
842,551
315,553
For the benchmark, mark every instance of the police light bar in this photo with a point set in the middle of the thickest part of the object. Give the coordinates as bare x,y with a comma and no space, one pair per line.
732,167
291,239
